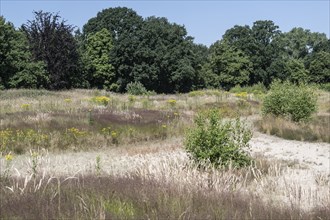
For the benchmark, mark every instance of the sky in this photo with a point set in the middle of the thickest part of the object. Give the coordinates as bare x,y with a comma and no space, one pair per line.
206,21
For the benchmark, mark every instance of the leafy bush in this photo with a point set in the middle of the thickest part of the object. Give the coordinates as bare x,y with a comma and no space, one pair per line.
297,102
219,142
136,88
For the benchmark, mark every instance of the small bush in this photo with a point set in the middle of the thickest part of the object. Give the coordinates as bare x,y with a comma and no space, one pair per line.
136,88
297,102
218,142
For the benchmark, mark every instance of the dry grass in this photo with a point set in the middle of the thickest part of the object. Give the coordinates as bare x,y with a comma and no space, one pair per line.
142,171
315,130
123,119
160,184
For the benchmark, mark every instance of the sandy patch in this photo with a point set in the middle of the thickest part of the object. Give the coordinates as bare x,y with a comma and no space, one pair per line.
314,156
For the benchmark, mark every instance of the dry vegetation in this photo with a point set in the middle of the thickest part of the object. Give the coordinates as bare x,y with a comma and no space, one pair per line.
88,154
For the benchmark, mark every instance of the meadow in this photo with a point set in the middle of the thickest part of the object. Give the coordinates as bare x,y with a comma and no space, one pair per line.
93,154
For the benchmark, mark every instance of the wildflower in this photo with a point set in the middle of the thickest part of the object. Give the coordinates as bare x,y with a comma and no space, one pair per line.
241,95
171,101
76,132
113,134
101,100
9,157
164,126
25,106
34,154
67,100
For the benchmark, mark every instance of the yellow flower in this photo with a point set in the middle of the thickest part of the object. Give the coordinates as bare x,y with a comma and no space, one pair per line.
171,101
68,100
113,134
9,157
101,100
25,106
242,95
164,126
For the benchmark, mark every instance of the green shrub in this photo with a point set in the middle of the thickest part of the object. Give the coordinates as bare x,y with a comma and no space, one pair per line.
219,142
297,102
136,88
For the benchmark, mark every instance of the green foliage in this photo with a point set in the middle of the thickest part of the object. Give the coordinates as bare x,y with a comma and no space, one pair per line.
118,46
319,69
325,87
296,71
153,51
297,102
136,88
167,59
260,44
51,41
33,76
219,142
228,65
17,70
97,59
298,42
123,24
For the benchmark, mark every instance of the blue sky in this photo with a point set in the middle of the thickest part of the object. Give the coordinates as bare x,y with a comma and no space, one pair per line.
206,21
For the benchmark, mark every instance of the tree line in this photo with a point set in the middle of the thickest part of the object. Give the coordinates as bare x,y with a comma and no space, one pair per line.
118,47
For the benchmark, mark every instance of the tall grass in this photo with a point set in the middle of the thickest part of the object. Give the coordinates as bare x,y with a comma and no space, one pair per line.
42,119
164,189
130,163
315,130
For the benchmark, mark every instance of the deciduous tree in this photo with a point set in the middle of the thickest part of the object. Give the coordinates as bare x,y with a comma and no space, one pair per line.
52,42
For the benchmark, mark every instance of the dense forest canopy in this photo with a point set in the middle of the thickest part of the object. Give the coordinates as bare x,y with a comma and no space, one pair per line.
118,47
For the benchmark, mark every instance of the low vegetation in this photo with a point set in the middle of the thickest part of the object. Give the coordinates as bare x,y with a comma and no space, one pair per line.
219,142
141,164
315,130
91,197
296,102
